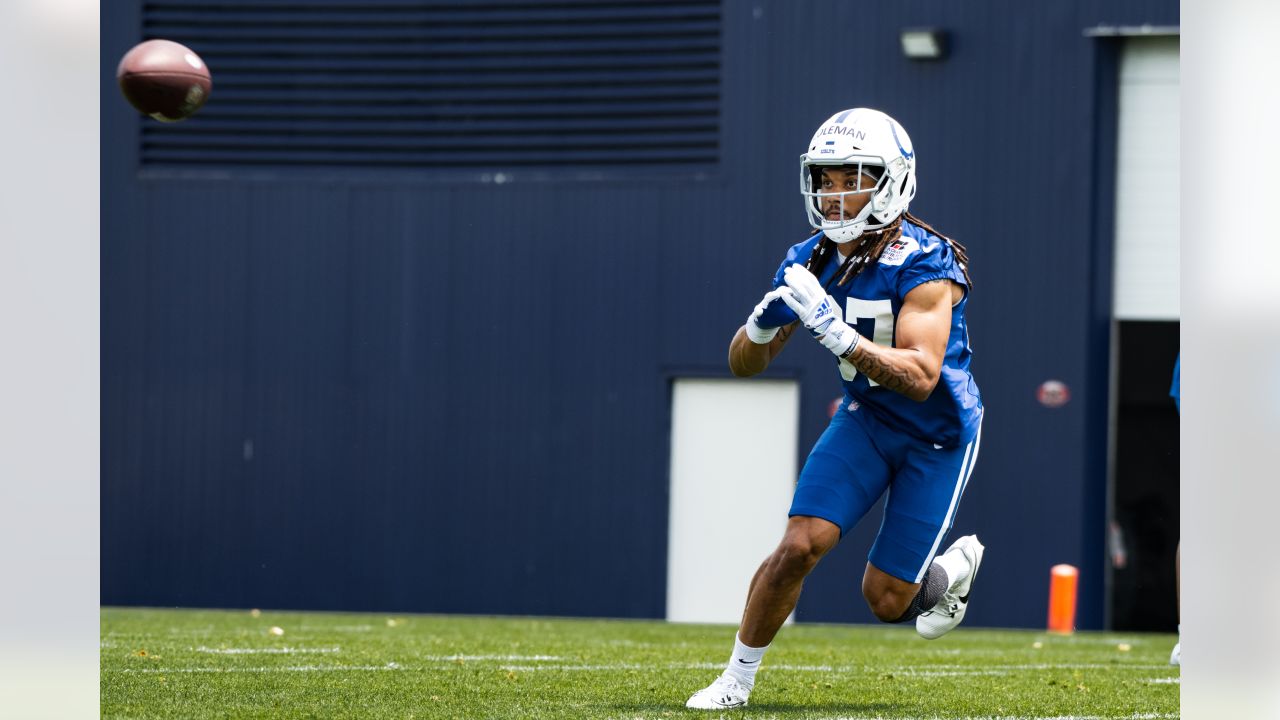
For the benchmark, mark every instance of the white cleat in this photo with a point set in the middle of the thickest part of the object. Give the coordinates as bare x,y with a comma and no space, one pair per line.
1175,657
943,617
725,692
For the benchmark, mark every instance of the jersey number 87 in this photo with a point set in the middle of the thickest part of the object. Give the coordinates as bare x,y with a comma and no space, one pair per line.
873,319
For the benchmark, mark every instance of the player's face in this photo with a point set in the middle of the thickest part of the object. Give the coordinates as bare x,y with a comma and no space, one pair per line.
842,180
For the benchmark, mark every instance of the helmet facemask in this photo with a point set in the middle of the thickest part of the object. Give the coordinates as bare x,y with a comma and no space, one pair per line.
844,229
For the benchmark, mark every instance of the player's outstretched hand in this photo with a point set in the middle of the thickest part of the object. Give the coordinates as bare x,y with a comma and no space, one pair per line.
817,310
762,333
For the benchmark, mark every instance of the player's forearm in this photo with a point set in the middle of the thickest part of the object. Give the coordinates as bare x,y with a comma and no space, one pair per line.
747,358
903,370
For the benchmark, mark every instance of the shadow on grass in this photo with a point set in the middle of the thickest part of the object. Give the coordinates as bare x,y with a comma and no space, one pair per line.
838,708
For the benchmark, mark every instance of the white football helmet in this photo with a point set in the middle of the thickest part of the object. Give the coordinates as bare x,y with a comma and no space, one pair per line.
871,142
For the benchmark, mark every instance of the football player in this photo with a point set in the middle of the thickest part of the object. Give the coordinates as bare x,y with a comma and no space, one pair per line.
885,293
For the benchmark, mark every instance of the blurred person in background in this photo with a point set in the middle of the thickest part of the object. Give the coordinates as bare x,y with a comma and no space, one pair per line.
886,294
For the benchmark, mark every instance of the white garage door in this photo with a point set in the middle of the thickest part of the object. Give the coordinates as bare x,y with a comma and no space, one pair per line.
1147,201
733,468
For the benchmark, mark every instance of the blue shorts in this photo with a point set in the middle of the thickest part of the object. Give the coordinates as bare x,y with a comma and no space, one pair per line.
857,459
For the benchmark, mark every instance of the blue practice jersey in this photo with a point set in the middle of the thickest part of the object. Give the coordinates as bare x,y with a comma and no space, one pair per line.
871,302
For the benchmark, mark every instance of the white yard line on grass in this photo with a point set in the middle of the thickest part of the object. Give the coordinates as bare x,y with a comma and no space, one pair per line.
988,668
922,670
779,666
480,658
905,671
172,632
287,668
267,651
588,668
448,661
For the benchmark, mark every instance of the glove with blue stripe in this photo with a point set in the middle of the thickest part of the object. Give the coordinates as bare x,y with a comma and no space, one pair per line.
818,311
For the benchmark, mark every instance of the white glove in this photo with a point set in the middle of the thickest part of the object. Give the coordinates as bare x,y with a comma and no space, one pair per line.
818,311
755,333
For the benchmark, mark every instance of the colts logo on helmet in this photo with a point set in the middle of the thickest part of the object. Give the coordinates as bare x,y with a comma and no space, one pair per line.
894,130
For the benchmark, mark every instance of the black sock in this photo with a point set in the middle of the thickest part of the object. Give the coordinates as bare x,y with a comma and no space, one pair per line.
935,583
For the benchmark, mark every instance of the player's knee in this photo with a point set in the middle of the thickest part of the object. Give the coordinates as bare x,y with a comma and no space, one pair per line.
886,606
796,555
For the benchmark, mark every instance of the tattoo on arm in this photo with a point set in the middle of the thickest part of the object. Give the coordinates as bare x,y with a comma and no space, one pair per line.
904,375
896,379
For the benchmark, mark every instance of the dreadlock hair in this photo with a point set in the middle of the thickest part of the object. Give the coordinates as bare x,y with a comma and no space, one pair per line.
870,245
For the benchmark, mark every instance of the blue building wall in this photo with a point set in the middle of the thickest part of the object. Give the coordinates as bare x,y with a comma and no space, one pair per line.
421,392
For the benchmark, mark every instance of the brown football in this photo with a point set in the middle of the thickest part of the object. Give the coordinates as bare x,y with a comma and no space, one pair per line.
165,80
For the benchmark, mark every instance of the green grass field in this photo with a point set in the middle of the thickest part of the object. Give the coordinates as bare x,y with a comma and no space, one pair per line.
229,664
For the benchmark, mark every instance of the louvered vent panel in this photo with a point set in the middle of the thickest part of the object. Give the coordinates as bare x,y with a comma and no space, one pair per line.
392,83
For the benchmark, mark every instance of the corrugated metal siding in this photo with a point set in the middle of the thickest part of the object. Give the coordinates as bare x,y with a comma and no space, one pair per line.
405,459
446,84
